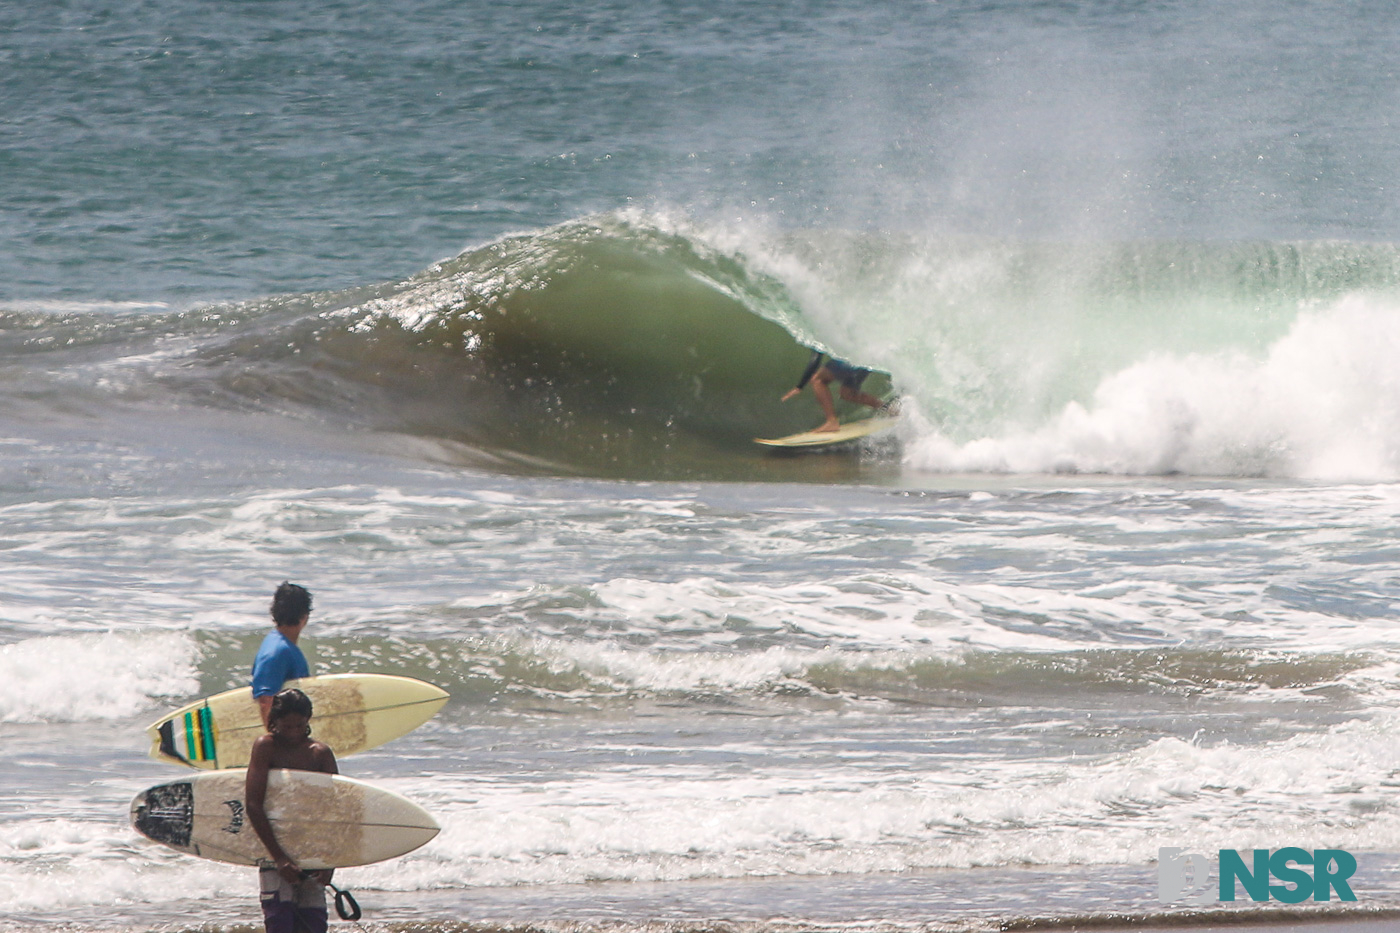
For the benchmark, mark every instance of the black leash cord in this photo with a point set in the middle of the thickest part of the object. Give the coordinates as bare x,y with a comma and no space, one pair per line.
346,907
345,904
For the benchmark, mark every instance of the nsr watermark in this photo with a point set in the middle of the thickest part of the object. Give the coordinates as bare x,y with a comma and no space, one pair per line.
1283,875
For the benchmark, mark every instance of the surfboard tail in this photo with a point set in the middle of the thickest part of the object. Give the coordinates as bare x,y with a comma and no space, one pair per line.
165,814
191,739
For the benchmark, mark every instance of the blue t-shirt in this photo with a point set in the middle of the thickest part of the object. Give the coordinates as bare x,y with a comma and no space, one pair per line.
278,661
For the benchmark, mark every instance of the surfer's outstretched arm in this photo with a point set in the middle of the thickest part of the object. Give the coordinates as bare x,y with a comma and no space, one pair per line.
814,364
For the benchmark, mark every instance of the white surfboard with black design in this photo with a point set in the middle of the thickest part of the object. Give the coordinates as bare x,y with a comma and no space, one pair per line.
321,820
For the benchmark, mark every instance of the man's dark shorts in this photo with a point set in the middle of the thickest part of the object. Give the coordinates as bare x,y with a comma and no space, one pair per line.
292,908
846,374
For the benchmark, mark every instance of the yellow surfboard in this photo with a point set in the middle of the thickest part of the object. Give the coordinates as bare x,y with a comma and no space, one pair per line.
322,820
351,713
847,432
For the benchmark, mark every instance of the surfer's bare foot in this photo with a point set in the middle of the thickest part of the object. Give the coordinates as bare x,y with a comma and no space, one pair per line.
827,427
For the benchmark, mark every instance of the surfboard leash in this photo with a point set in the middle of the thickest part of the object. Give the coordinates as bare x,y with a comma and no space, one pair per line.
345,904
346,907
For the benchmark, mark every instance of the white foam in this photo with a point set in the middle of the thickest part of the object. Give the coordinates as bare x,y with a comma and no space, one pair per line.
70,306
79,678
656,822
53,864
692,822
705,634
1322,403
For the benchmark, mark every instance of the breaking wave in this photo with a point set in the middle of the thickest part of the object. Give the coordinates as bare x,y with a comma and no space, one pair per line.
629,345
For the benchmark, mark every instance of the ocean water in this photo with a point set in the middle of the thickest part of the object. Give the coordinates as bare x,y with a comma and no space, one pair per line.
465,315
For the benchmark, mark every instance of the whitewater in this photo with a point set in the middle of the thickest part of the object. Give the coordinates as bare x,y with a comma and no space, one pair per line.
465,316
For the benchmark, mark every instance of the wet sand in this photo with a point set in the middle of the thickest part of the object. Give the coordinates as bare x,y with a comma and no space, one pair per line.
1242,921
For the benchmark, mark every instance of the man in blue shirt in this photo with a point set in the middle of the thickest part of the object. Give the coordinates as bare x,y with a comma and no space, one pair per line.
279,659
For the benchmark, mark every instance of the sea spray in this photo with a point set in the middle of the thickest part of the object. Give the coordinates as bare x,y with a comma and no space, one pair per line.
1321,402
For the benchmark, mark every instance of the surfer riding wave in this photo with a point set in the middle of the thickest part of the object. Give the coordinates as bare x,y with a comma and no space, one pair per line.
821,371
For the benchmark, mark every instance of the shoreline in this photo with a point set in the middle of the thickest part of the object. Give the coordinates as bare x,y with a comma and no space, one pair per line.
930,901
1248,921
1235,920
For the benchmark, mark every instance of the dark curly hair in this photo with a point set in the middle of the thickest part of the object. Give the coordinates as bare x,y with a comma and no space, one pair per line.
290,604
290,700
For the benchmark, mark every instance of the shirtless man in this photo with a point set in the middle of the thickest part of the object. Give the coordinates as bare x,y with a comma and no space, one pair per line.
291,900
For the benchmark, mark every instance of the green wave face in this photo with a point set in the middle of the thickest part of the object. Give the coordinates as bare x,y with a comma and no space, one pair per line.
600,347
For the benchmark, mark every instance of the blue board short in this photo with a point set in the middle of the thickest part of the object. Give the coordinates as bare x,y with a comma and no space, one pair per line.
292,907
846,374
